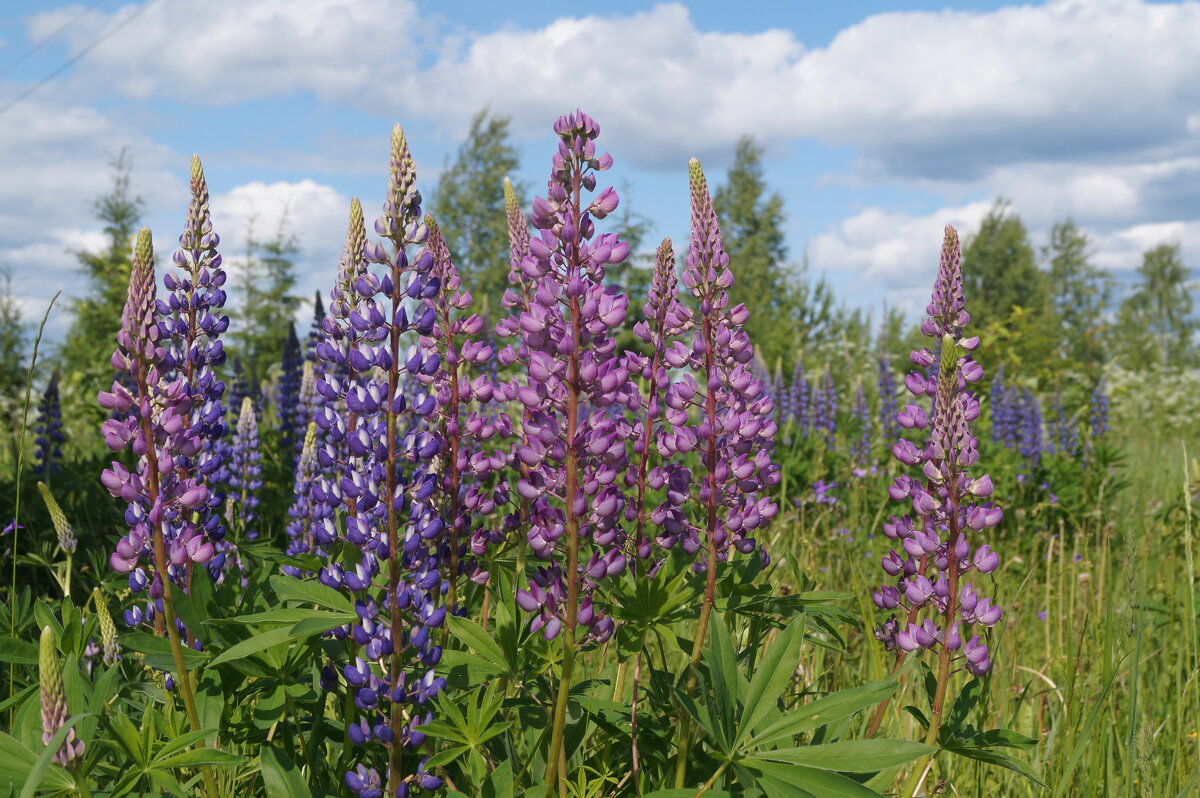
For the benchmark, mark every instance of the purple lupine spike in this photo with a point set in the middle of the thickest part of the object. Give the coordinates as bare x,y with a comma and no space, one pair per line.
860,447
888,407
49,430
736,429
825,409
54,700
246,470
573,436
947,502
1063,437
192,323
378,476
799,399
1099,408
164,498
291,425
1029,432
666,322
315,332
467,468
306,512
1003,426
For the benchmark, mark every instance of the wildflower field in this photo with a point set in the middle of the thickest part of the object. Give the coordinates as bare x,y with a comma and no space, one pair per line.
581,537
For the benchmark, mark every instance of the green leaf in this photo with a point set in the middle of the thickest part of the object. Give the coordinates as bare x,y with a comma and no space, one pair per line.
772,677
688,793
280,775
310,592
478,640
200,756
259,642
289,616
18,652
157,651
181,742
210,699
1005,738
16,762
850,756
722,670
1003,760
817,783
826,709
500,783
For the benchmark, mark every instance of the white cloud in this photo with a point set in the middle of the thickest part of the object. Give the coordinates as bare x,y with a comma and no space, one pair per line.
316,214
217,53
947,93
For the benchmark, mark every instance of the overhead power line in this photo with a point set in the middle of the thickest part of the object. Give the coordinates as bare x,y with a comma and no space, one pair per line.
66,64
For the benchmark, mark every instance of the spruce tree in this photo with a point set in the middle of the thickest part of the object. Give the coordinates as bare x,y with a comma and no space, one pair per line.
268,304
1156,319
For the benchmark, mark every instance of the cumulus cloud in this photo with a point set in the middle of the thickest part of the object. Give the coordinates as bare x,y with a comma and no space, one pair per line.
218,53
932,94
316,214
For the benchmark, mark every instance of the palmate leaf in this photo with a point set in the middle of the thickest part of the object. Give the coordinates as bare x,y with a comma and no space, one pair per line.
44,765
280,775
771,678
799,781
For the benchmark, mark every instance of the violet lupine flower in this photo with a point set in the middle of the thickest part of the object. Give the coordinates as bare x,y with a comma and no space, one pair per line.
888,407
1063,438
381,478
1029,429
246,479
1004,418
943,612
466,469
315,333
860,447
54,700
49,430
240,389
781,394
574,442
192,324
163,498
666,322
305,511
736,430
291,424
799,399
825,408
1099,407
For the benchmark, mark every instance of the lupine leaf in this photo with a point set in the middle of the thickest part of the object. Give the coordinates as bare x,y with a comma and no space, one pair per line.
850,756
824,710
280,775
771,677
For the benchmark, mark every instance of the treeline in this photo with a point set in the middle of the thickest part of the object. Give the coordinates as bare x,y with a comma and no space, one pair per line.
1043,310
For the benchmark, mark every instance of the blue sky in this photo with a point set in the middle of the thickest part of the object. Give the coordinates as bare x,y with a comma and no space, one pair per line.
882,121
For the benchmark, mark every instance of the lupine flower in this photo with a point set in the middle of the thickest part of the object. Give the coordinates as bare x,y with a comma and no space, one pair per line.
240,389
315,333
860,447
799,400
380,461
1099,418
291,425
825,408
945,498
246,480
1029,429
466,468
888,407
666,322
62,527
162,497
192,322
574,437
1063,438
1004,417
305,511
49,430
736,431
108,631
54,700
